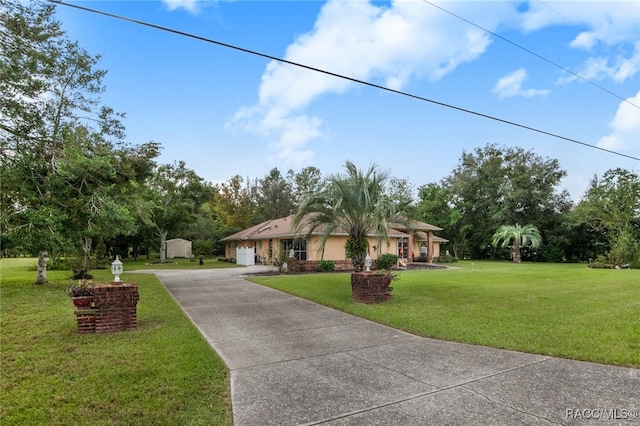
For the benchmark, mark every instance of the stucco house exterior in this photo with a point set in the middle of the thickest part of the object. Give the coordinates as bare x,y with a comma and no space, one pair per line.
267,238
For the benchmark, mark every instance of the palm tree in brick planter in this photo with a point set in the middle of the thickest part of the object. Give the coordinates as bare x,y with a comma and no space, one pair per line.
354,203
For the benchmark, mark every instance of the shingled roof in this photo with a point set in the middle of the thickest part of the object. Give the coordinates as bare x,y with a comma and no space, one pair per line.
283,228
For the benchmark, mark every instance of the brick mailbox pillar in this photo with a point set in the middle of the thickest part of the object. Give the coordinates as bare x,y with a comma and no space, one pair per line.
115,307
370,287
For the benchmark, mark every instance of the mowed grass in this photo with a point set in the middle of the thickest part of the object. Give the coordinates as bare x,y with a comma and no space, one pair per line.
559,310
162,373
177,263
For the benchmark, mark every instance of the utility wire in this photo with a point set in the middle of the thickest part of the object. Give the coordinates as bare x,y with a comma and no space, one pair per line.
557,13
366,83
533,53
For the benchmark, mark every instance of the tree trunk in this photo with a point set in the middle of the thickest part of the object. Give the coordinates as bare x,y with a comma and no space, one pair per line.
86,243
163,245
516,254
358,262
41,275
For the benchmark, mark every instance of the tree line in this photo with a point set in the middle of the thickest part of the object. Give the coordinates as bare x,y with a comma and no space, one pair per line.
72,186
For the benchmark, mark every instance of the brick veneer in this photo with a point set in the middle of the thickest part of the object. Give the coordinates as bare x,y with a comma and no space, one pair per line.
86,320
114,309
370,287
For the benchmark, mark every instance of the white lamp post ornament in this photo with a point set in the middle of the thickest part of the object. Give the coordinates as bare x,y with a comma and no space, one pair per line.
367,263
116,269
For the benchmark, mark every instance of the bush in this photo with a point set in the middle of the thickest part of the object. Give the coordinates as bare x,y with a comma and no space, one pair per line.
327,266
201,246
446,258
601,263
625,249
387,261
59,264
552,253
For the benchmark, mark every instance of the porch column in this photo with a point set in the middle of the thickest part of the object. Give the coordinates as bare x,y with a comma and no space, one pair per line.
430,246
410,247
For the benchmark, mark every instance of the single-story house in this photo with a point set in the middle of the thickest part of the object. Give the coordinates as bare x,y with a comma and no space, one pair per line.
275,235
178,247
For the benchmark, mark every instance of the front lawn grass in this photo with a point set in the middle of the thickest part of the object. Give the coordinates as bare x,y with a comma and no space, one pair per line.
142,262
162,373
562,310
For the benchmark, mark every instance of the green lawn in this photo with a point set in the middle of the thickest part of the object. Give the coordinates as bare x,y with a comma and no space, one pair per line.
163,373
552,309
177,263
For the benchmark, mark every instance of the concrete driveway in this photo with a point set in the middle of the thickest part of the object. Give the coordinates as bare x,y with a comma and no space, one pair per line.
295,362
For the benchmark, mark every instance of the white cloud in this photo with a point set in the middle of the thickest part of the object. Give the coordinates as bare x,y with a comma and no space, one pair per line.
389,45
611,24
585,40
191,6
403,42
619,69
511,85
625,127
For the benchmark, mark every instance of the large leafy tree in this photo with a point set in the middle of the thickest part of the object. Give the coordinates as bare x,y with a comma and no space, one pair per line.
234,204
205,231
174,196
434,206
355,203
610,210
274,197
519,237
492,186
29,43
53,130
307,181
401,191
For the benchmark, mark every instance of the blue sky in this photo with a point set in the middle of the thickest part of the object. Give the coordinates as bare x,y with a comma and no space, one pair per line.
225,112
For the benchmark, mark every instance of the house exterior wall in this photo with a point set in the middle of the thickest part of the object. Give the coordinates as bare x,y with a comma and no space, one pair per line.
230,247
334,248
417,245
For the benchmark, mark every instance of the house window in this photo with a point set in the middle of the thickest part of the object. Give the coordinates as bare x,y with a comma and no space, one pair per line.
299,248
403,249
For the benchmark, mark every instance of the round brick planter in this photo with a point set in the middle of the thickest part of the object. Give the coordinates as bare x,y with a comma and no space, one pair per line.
370,287
82,302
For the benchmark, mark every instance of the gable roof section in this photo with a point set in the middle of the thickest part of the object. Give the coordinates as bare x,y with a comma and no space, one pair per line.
423,237
283,228
417,226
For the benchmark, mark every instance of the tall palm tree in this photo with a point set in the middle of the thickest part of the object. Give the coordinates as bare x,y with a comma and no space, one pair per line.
355,203
521,236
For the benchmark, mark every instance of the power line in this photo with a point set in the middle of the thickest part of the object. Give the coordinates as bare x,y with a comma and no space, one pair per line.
557,13
366,83
533,53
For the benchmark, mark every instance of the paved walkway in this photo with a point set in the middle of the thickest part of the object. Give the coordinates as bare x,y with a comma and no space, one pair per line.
295,362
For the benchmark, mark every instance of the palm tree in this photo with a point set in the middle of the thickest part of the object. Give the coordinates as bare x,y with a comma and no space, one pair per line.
356,204
521,236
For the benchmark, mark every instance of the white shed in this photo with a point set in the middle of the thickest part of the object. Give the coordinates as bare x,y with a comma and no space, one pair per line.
178,247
